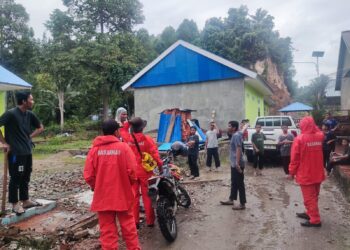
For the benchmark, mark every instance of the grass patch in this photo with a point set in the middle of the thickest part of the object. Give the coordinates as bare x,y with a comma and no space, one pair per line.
57,144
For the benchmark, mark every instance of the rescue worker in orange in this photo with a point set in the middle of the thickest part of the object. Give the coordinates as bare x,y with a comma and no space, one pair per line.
110,171
146,144
307,167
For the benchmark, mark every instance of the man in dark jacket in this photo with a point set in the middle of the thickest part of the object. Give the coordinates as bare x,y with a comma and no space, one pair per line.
193,151
21,125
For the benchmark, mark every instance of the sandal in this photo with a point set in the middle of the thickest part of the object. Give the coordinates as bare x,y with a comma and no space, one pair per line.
30,204
18,210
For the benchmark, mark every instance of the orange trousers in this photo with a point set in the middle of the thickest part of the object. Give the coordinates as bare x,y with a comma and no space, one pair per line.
142,184
109,230
310,195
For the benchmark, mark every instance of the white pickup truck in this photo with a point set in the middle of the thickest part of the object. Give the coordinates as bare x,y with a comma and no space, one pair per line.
271,127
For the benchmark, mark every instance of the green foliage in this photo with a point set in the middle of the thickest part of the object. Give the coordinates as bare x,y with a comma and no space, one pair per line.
17,45
246,39
92,51
102,16
188,31
165,39
315,95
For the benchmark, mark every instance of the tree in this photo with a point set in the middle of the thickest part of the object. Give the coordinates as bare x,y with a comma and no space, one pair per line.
16,38
106,16
315,94
97,18
165,39
59,60
188,31
246,39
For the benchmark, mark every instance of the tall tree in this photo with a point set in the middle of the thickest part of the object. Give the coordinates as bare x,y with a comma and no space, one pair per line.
16,38
59,59
165,39
188,31
246,39
97,18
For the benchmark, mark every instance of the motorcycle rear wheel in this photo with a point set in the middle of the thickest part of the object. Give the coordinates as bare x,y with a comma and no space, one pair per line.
166,219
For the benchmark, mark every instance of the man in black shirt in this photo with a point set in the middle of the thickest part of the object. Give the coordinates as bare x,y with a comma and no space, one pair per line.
193,151
19,124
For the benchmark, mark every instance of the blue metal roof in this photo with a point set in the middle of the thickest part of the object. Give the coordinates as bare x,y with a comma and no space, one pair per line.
296,107
9,81
183,65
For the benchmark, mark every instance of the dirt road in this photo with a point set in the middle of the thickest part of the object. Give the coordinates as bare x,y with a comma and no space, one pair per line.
269,221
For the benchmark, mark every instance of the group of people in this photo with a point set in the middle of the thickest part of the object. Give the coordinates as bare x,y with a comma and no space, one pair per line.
211,147
304,159
330,157
114,169
115,172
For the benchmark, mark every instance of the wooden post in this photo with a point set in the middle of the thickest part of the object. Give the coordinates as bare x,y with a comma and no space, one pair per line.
4,184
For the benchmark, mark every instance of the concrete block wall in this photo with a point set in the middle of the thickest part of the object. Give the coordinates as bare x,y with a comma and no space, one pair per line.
226,97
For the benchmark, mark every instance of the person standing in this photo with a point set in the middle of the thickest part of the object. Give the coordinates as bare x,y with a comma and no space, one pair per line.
122,118
193,151
331,122
21,125
328,143
138,140
285,141
212,146
110,172
237,168
307,167
258,139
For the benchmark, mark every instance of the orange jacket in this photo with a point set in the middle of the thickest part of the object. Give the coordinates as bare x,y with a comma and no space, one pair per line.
146,144
307,156
110,170
124,130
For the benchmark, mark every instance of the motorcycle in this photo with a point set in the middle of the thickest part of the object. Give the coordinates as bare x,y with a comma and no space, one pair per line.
167,194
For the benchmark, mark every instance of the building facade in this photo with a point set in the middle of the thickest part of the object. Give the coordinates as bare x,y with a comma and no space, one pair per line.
187,77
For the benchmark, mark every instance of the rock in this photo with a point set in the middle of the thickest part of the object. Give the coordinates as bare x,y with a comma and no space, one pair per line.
13,245
81,234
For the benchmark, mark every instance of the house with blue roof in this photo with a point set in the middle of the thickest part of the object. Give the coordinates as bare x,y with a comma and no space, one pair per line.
187,77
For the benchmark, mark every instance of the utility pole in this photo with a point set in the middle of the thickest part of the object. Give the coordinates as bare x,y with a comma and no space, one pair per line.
317,54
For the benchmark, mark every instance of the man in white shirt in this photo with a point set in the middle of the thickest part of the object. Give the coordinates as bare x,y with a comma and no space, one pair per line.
211,145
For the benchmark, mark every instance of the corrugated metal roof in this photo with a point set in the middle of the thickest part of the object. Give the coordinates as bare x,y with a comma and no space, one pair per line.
296,107
330,89
9,81
218,59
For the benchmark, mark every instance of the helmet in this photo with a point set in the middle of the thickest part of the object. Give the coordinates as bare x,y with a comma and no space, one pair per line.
179,148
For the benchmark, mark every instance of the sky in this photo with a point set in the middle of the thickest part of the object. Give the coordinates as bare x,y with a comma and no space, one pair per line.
312,24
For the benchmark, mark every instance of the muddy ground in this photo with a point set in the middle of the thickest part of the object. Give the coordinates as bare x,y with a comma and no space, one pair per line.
269,221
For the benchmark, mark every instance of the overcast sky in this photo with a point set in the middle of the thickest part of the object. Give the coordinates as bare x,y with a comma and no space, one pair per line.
312,24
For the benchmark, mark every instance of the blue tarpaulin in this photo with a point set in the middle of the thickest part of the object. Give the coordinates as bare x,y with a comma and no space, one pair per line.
164,123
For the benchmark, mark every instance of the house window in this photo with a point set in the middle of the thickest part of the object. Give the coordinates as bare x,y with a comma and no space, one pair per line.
259,111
